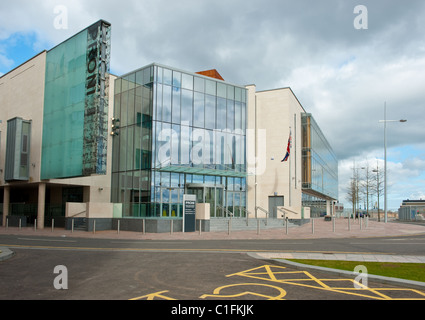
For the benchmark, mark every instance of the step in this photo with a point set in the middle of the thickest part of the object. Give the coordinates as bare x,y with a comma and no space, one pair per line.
222,224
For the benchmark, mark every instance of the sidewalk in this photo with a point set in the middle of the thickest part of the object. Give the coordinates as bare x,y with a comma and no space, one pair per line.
320,230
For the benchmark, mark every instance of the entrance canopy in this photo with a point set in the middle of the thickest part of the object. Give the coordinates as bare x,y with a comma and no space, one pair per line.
203,171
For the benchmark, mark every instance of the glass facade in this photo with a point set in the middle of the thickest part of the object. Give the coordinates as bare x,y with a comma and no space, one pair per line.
320,166
75,120
178,133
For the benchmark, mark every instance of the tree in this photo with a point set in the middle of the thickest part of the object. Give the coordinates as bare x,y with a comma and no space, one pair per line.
352,193
367,184
379,184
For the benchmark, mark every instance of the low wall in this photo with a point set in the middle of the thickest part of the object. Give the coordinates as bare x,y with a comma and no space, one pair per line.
147,225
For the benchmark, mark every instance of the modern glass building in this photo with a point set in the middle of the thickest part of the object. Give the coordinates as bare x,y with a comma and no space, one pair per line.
177,133
82,144
320,167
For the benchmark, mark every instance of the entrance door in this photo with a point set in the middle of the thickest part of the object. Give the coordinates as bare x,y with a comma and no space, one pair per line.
170,202
275,201
208,194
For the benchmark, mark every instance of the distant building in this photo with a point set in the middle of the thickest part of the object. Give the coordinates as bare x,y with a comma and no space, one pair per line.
412,210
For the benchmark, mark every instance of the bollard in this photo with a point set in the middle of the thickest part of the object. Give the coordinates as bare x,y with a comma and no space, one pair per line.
171,226
349,223
200,226
20,223
94,226
286,225
72,225
312,226
333,223
118,227
360,222
53,225
35,225
143,226
7,223
258,226
229,226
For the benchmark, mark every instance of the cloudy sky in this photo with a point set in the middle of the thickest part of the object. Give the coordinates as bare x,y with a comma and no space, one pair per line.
341,71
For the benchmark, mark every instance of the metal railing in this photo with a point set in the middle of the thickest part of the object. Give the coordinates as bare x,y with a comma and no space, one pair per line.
264,210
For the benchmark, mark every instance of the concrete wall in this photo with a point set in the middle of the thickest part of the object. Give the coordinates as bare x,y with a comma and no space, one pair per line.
274,113
22,95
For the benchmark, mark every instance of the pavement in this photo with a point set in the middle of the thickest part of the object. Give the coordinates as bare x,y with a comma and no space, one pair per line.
315,229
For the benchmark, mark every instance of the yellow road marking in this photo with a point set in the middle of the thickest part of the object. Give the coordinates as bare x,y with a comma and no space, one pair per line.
216,293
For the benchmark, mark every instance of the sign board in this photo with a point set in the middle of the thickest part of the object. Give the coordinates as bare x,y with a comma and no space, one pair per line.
189,213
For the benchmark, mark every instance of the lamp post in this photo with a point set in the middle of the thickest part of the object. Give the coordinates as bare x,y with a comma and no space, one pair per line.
385,157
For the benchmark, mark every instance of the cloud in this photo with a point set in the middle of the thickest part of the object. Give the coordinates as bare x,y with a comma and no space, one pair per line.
340,74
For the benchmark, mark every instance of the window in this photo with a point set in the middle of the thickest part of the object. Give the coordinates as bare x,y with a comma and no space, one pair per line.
199,110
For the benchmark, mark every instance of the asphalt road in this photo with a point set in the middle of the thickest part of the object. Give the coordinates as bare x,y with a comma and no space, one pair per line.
103,269
406,245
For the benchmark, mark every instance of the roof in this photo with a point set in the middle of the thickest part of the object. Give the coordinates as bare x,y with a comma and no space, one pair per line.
213,73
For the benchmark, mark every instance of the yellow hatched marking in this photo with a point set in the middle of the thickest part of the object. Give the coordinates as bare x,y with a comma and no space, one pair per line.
269,274
152,296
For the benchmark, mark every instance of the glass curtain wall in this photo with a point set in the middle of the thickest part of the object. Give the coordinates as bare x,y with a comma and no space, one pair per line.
176,129
199,138
132,151
320,165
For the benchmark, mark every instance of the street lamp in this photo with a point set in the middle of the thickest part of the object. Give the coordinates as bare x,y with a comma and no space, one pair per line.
385,156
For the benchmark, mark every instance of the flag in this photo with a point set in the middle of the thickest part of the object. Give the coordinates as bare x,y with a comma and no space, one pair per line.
288,149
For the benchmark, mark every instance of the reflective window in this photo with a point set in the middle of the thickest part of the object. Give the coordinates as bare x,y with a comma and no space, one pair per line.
210,87
221,113
177,79
199,110
210,111
176,105
221,90
200,85
187,107
230,115
187,81
166,104
167,77
230,92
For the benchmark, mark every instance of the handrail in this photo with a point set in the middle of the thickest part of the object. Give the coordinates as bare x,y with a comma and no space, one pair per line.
264,210
289,210
77,214
246,214
229,214
283,211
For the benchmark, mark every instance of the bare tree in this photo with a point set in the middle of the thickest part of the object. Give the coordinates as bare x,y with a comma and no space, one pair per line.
366,185
352,194
379,184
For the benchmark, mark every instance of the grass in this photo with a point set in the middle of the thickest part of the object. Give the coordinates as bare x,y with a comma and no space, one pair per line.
407,271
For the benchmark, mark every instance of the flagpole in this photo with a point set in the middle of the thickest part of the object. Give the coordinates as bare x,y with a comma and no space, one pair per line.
290,175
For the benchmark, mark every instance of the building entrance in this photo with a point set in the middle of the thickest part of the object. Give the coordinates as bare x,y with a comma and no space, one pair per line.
170,202
212,194
274,202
